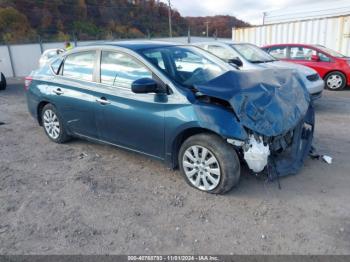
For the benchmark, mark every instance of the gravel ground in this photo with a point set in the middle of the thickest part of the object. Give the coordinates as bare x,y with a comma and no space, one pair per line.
85,198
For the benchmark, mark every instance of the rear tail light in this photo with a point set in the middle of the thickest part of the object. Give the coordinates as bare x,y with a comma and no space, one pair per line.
27,81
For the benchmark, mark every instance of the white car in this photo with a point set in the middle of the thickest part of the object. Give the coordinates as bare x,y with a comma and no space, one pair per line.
2,81
48,54
248,56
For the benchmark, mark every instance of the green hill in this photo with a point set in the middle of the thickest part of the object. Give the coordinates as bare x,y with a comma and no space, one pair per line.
58,20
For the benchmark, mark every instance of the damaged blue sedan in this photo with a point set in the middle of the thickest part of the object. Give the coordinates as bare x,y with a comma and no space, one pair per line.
178,104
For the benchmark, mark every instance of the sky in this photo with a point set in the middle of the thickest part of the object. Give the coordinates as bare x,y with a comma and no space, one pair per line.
248,10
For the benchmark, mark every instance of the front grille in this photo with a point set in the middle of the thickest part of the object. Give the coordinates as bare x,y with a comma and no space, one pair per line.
280,143
277,143
313,77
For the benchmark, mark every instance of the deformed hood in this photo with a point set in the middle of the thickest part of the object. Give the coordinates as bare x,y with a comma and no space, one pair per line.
288,65
269,102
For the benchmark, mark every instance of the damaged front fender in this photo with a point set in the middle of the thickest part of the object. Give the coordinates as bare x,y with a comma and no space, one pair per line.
269,102
199,116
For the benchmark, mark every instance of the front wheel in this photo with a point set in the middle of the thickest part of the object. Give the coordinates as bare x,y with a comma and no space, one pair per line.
209,164
53,124
335,81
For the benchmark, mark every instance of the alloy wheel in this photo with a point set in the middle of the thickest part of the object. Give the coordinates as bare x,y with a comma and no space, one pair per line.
201,168
51,124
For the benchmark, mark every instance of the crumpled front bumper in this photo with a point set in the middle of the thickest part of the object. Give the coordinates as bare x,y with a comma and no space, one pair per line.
283,154
290,160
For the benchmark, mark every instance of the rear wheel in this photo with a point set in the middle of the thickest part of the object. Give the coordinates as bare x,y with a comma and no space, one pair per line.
53,124
335,80
209,164
2,82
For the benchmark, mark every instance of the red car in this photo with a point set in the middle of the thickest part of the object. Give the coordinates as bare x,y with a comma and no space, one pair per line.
332,66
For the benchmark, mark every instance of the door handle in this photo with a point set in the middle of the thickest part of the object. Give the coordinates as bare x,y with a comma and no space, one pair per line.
58,91
103,101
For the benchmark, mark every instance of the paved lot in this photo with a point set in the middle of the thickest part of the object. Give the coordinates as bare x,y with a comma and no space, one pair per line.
87,198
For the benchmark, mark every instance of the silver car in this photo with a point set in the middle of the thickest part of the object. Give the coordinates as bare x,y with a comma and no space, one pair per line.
49,54
248,56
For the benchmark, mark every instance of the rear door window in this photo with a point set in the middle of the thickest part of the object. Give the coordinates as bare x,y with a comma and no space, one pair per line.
118,69
80,65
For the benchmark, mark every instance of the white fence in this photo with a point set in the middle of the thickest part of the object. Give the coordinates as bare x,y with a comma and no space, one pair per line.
20,60
333,32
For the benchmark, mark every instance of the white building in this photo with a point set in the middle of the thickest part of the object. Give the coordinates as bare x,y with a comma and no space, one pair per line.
307,12
327,24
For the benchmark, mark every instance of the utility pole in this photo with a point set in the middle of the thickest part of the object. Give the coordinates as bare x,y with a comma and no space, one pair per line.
264,15
207,24
169,14
189,35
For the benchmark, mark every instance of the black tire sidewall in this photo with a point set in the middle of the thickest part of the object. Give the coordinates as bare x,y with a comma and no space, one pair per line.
63,137
339,74
2,82
225,154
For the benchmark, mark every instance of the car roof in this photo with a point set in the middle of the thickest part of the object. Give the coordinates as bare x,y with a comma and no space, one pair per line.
293,44
225,42
136,45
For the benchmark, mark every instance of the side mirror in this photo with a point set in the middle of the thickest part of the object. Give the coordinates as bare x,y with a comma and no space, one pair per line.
236,61
144,86
315,58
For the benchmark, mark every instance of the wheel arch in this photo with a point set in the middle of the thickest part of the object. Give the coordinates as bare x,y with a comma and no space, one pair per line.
334,71
40,107
181,137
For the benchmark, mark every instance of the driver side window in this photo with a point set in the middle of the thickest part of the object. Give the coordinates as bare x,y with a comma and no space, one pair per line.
323,57
221,52
301,53
278,52
118,69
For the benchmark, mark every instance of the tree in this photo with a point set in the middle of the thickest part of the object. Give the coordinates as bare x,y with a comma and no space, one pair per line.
22,20
14,26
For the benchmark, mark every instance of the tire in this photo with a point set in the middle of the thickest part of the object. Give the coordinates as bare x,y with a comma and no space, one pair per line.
2,82
53,124
197,172
335,81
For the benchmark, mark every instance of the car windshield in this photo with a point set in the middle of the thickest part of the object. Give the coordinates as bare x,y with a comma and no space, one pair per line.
187,66
329,51
253,53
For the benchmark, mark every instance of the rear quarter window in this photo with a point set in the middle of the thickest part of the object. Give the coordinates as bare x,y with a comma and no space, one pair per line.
56,66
